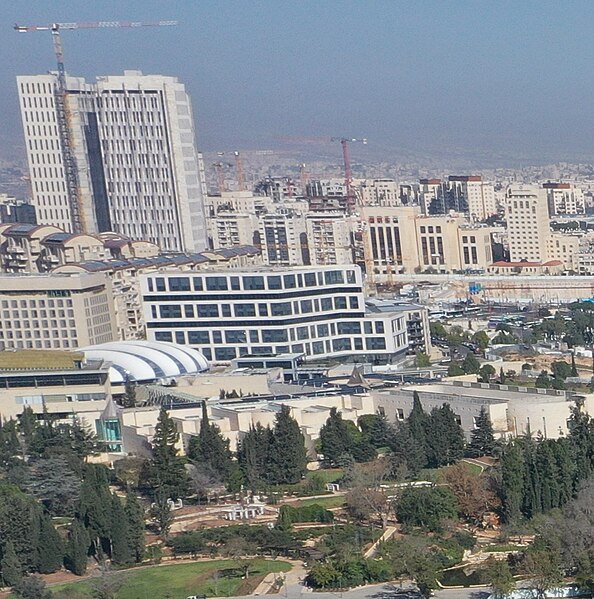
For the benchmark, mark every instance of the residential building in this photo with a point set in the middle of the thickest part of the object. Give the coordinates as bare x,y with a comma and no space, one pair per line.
16,211
432,196
55,311
138,171
564,198
472,196
380,192
330,238
229,229
283,239
316,311
527,217
245,202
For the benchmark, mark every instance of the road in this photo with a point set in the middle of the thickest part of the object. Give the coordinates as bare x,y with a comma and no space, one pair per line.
379,591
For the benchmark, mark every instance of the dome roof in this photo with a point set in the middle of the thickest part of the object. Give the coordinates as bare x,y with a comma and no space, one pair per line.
147,361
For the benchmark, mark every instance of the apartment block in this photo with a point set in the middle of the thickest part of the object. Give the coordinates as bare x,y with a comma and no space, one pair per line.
229,229
245,202
56,311
330,238
283,239
319,312
472,196
380,192
137,167
564,198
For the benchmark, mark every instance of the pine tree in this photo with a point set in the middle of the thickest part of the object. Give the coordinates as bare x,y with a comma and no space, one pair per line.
135,519
334,437
482,441
50,549
253,455
169,472
129,399
418,423
445,439
10,566
121,552
161,512
406,449
77,548
288,456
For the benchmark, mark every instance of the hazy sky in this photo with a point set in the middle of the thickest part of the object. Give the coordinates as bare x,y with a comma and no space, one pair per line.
502,76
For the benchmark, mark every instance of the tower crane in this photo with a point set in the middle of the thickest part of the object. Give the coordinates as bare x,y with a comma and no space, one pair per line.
62,109
239,171
219,168
348,176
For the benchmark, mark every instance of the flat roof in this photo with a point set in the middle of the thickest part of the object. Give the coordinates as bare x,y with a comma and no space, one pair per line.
39,359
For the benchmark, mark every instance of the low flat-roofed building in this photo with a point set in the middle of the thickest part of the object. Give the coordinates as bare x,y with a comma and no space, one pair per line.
514,411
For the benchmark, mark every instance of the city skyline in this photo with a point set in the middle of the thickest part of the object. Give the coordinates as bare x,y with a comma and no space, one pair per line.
504,79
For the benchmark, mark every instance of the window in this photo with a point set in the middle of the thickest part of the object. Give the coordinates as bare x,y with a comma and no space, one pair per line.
216,283
326,304
235,336
163,336
399,414
341,344
242,310
197,284
207,311
235,283
351,276
160,284
274,335
334,277
358,344
340,303
274,282
367,326
375,343
379,327
349,328
225,353
189,311
310,279
306,306
317,347
207,353
353,303
179,284
180,337
289,281
323,330
198,337
254,338
226,310
282,309
262,310
253,283
170,311
217,337
302,333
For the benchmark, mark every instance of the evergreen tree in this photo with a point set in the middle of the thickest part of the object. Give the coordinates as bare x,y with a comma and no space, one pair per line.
77,548
253,455
288,456
28,424
574,371
121,551
9,443
10,566
50,549
169,472
31,587
418,423
502,378
406,450
211,448
129,399
482,441
470,364
135,520
445,439
161,511
580,436
512,480
334,437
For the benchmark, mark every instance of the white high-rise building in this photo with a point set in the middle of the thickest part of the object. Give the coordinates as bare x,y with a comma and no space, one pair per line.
134,143
527,218
564,198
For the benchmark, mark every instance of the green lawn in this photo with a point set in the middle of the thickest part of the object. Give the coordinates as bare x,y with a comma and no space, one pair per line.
327,502
178,581
329,475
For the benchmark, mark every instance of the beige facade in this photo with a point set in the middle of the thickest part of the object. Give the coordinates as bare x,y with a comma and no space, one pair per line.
564,198
476,194
245,202
229,229
330,238
527,218
283,239
380,192
565,249
56,311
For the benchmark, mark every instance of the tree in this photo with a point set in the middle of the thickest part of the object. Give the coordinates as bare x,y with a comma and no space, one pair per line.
426,507
129,399
454,369
135,522
470,364
499,577
512,480
211,448
561,369
543,571
50,548
31,587
437,330
169,472
107,584
445,438
334,437
288,456
543,381
253,455
77,548
472,491
481,339
418,423
161,512
422,360
482,441
10,566
121,552
574,371
406,449
485,373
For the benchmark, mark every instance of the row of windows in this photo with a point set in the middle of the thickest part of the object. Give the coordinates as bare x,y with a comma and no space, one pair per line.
252,282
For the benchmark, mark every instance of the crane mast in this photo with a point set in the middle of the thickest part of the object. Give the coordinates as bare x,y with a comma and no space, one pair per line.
348,175
63,115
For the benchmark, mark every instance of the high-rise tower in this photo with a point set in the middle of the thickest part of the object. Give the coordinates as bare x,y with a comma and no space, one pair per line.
133,140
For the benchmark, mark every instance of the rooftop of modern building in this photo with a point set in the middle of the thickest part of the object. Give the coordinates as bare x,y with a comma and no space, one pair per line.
39,359
380,305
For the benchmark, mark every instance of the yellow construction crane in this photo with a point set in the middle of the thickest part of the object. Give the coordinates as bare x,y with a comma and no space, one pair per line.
62,108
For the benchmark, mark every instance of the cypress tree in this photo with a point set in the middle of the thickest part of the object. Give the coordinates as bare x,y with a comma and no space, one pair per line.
574,371
121,552
406,449
135,520
10,566
418,422
288,456
335,437
50,549
77,548
445,440
253,455
482,441
512,480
